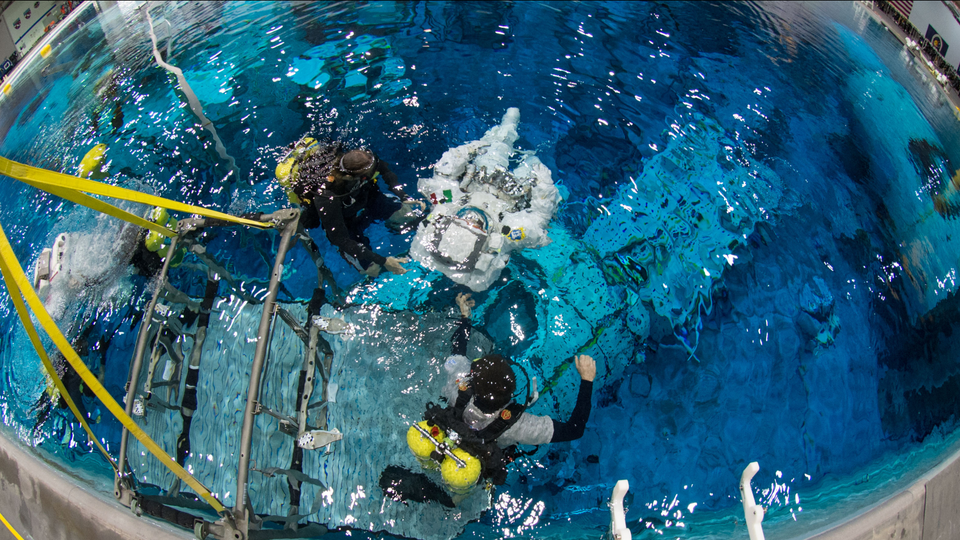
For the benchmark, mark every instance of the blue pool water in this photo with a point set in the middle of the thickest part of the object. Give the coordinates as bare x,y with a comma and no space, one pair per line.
757,242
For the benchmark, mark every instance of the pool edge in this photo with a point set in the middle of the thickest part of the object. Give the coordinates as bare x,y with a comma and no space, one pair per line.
925,510
50,505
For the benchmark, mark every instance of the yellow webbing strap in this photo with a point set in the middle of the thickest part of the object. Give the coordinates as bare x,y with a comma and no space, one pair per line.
102,207
15,295
21,285
10,528
45,180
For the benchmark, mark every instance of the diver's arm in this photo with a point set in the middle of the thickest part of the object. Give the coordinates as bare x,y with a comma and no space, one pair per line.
573,428
331,218
392,180
394,184
462,335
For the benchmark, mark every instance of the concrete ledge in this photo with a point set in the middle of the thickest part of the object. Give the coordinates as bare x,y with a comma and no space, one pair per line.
900,516
941,518
927,510
43,503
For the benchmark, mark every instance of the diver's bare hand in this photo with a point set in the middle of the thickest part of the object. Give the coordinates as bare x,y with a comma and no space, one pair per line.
587,367
393,264
466,304
373,270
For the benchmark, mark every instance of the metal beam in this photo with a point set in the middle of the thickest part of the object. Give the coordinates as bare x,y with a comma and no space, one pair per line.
288,221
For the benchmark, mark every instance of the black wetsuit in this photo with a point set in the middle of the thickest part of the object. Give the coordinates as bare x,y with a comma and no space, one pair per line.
570,430
346,208
401,484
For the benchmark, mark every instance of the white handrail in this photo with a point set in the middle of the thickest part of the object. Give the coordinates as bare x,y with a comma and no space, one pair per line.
752,511
618,519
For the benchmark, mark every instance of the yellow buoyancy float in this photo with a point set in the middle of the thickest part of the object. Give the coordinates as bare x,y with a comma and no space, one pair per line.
460,478
91,166
421,446
157,242
289,167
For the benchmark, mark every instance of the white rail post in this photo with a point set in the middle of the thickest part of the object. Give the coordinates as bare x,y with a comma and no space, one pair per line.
752,511
618,520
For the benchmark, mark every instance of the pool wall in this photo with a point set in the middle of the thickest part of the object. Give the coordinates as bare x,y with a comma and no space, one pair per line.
926,510
909,20
41,499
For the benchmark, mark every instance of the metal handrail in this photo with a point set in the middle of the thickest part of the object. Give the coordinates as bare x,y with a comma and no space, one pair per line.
241,514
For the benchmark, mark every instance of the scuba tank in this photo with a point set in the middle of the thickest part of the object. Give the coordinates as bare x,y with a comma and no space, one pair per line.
459,469
289,166
466,456
288,170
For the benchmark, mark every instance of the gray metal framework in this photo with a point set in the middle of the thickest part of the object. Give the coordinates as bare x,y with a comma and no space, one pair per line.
239,522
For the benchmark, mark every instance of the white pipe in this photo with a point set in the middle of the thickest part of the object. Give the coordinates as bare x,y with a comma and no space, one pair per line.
752,511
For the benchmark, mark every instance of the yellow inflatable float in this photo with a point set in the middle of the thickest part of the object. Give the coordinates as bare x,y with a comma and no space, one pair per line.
289,166
459,469
91,166
157,242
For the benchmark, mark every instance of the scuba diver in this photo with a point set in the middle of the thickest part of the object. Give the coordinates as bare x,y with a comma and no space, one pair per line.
63,273
474,438
338,190
50,399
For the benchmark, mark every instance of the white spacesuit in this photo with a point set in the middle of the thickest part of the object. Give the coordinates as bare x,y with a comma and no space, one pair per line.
482,210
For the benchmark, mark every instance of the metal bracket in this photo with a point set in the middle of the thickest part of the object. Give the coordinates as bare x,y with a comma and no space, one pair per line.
311,440
225,529
123,493
281,217
187,225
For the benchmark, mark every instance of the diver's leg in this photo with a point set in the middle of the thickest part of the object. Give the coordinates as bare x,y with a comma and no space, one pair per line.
356,227
401,484
324,275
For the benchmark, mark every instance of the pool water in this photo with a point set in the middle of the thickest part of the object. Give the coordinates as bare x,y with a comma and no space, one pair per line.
757,243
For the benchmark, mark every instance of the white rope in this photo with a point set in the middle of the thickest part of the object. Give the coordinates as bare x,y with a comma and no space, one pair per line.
191,97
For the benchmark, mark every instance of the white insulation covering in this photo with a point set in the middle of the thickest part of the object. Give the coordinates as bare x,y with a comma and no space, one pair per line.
482,210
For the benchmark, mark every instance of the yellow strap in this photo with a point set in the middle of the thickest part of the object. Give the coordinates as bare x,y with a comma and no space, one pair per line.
22,283
15,295
10,528
103,208
45,179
